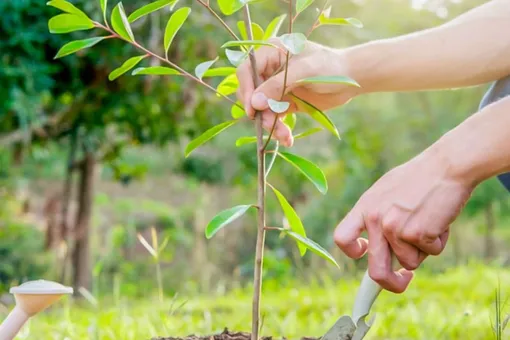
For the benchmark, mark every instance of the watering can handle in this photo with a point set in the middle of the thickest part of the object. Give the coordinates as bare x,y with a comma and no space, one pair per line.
367,294
13,324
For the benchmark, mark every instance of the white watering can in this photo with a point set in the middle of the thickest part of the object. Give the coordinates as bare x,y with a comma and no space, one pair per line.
31,298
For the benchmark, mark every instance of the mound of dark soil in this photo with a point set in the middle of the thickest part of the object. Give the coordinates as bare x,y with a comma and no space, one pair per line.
226,335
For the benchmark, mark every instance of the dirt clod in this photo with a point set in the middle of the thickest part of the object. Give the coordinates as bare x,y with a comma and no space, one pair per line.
227,335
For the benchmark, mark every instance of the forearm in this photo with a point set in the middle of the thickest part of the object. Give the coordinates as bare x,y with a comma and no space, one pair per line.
472,49
479,148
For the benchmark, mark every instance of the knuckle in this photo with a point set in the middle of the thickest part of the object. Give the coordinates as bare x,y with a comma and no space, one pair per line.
409,264
389,225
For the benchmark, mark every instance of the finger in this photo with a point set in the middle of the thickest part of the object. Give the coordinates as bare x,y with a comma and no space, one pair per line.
427,242
268,60
281,131
380,261
409,256
347,235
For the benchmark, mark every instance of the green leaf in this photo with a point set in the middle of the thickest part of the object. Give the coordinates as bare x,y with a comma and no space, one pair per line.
74,46
149,8
229,7
238,43
203,67
274,26
301,5
313,246
307,133
294,42
104,6
155,70
236,111
294,221
228,85
324,19
278,107
235,57
66,23
219,72
330,80
174,24
206,136
290,121
316,114
67,7
126,66
120,23
225,217
245,140
257,31
309,169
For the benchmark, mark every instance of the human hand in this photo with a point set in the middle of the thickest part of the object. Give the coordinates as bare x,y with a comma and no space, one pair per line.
315,60
408,212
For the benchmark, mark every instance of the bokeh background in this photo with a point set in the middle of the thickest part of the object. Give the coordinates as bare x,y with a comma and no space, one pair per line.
87,165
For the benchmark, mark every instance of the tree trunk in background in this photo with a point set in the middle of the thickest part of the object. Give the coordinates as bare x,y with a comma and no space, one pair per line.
82,271
490,245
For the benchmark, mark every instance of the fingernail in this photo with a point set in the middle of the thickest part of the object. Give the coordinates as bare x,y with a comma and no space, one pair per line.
259,101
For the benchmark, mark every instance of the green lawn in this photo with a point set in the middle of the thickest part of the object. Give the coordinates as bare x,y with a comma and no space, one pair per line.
455,305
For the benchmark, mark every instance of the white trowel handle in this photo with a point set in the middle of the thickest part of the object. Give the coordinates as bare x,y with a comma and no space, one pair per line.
13,324
367,293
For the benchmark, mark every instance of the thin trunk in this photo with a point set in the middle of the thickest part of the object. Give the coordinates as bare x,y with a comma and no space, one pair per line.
490,245
82,272
66,199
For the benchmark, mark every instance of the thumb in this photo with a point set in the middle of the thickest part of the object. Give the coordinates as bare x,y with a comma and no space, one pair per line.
347,235
273,87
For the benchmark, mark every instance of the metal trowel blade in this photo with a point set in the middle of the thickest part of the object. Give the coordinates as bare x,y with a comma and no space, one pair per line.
343,329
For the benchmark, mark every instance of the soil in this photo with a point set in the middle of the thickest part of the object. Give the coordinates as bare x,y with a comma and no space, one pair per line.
228,335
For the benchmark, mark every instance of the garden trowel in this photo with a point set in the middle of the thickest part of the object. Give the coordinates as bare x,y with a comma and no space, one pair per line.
356,327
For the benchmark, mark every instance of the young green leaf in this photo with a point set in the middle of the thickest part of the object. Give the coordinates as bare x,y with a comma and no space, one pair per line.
245,140
228,85
278,107
294,42
317,115
120,23
74,46
236,111
313,246
309,169
219,72
301,5
104,6
66,23
290,121
294,221
174,24
203,67
67,7
324,19
229,7
149,8
126,66
330,80
274,26
155,70
235,57
206,136
307,133
257,31
238,43
225,217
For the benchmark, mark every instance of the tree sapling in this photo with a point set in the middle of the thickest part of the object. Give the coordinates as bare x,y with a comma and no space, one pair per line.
252,37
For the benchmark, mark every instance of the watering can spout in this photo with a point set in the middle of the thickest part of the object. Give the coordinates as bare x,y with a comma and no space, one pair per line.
31,298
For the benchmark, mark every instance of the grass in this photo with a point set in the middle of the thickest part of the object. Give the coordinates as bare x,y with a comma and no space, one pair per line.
458,304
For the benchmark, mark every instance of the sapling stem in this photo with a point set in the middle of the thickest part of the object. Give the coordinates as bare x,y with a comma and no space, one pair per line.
206,5
261,192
